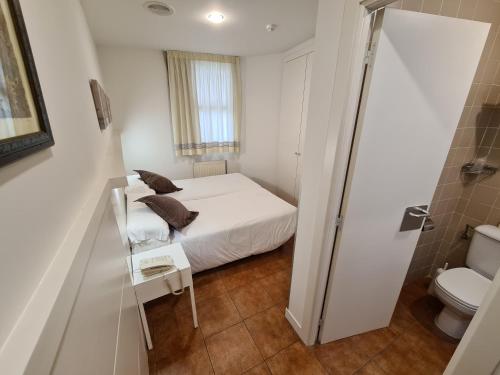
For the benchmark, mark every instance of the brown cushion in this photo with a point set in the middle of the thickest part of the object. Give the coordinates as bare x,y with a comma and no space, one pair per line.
170,210
160,184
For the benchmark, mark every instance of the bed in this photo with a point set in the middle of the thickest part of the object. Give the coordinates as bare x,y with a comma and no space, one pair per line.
238,218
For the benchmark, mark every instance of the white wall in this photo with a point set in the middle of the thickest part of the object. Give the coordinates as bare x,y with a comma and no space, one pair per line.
136,81
261,76
41,195
477,352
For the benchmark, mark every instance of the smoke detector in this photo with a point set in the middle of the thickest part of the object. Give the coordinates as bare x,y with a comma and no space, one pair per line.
271,27
159,8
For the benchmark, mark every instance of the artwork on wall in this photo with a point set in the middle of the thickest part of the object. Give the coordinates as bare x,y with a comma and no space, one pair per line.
102,105
24,124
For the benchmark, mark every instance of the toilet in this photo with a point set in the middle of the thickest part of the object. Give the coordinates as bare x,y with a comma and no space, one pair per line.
462,289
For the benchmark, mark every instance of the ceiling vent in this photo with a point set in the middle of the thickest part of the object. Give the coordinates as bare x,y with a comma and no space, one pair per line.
159,8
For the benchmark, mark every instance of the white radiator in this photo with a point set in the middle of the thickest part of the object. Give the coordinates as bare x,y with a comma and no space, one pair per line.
209,168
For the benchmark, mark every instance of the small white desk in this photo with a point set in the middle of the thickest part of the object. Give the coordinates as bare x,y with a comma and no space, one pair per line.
148,288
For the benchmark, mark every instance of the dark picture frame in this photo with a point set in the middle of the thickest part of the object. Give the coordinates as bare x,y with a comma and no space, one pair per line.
17,147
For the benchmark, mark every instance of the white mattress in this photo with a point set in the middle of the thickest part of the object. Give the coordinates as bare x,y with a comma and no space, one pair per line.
237,219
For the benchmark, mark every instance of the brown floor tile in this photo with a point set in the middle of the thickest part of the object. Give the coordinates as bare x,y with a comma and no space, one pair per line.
372,343
217,314
277,285
232,351
261,369
208,285
402,319
413,291
296,359
269,266
175,336
401,358
410,345
238,279
160,308
251,299
432,349
340,357
196,363
370,368
271,331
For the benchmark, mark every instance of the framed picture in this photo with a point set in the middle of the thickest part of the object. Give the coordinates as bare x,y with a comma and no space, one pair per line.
102,105
24,124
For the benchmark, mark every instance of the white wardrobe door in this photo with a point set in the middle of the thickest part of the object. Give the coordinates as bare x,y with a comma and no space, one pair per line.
292,94
303,125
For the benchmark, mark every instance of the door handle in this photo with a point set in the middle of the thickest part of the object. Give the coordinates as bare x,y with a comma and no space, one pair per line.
297,153
423,212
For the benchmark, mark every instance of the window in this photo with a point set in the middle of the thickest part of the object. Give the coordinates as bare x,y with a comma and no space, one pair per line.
205,102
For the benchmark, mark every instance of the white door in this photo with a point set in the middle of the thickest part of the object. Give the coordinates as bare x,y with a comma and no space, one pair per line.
302,135
292,98
416,86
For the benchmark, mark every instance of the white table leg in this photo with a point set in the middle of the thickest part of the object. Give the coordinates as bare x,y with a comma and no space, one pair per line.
193,305
145,326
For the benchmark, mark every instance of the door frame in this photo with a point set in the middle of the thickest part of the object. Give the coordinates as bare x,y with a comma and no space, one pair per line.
353,91
319,205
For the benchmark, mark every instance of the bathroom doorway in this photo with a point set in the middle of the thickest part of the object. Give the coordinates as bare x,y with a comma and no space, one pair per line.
405,126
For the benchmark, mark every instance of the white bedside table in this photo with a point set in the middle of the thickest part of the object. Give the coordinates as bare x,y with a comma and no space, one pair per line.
148,288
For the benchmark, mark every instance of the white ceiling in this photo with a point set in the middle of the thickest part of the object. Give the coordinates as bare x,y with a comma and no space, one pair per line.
243,32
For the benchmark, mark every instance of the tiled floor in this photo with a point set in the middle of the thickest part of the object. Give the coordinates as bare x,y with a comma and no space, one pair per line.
243,329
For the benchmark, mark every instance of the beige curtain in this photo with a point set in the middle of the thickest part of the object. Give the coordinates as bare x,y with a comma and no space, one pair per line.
205,102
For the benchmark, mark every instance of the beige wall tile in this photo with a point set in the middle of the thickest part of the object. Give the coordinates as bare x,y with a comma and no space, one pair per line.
484,194
414,5
487,11
494,217
464,117
450,8
482,91
432,6
478,211
396,4
467,8
490,71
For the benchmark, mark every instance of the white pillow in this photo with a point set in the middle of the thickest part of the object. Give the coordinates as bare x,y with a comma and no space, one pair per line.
136,185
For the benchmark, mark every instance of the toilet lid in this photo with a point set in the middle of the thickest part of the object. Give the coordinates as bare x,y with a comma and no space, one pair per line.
465,285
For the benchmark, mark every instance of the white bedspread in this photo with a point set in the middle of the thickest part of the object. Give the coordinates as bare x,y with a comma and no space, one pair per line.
234,226
212,186
238,218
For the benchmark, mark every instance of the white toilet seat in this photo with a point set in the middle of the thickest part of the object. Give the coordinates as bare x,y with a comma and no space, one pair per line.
464,286
462,291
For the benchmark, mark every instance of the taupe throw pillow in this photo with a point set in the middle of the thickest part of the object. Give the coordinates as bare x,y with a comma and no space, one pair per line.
160,184
170,210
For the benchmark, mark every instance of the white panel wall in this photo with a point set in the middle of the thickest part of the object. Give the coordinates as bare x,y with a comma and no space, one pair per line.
41,195
104,321
136,81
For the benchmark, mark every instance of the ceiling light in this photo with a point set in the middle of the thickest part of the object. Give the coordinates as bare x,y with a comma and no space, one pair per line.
215,17
159,8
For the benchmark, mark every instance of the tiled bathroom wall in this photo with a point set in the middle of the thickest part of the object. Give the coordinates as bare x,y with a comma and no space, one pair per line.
459,199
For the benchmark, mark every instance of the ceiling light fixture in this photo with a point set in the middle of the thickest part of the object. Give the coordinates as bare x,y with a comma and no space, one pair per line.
215,17
159,8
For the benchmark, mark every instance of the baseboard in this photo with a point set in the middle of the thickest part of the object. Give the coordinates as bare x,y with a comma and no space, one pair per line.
294,323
